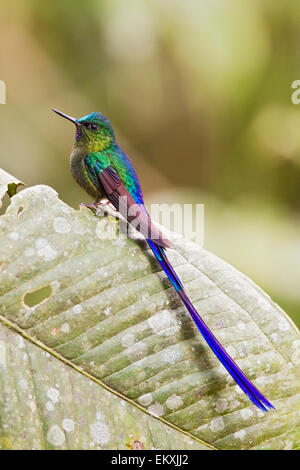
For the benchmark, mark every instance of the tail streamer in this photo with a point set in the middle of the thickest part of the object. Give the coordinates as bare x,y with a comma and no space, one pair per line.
236,373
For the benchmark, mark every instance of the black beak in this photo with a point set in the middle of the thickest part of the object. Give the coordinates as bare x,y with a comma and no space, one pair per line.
70,118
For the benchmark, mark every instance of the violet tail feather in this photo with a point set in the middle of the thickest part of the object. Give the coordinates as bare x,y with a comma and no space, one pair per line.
236,373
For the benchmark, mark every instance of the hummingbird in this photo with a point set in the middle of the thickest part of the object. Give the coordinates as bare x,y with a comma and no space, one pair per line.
107,174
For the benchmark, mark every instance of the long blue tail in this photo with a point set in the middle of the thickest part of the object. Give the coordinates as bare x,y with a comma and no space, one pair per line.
236,373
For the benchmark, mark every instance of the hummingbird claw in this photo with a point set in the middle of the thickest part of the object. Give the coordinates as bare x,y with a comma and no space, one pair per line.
92,206
101,208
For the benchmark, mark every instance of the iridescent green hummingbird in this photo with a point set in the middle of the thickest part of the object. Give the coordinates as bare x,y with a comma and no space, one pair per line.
105,172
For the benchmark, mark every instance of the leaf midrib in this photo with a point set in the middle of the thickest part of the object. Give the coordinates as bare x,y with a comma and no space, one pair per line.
36,342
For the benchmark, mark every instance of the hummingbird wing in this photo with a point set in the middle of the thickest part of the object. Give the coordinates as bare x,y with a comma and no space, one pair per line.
110,183
112,186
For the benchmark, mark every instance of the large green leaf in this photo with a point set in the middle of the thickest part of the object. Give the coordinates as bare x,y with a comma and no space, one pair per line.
96,351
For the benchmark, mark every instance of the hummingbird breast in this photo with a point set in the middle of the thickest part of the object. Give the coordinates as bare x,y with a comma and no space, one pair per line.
81,176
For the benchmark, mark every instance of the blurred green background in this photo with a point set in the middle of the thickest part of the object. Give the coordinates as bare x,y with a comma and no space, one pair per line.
200,95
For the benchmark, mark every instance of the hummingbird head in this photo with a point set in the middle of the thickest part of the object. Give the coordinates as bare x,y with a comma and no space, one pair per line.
93,132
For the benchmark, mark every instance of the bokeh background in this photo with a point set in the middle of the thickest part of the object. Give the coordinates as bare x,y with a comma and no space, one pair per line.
200,95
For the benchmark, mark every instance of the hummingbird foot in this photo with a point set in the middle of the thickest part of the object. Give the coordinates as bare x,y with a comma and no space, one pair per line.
92,206
103,207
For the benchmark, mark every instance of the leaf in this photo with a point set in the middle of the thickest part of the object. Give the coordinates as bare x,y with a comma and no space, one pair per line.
94,338
47,405
8,184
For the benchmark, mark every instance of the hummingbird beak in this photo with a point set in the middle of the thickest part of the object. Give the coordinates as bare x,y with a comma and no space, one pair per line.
70,118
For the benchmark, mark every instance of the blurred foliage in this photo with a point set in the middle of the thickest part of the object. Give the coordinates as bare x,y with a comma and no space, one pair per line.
201,90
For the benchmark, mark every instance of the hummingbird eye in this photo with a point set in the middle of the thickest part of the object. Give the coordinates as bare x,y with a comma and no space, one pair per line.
92,127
